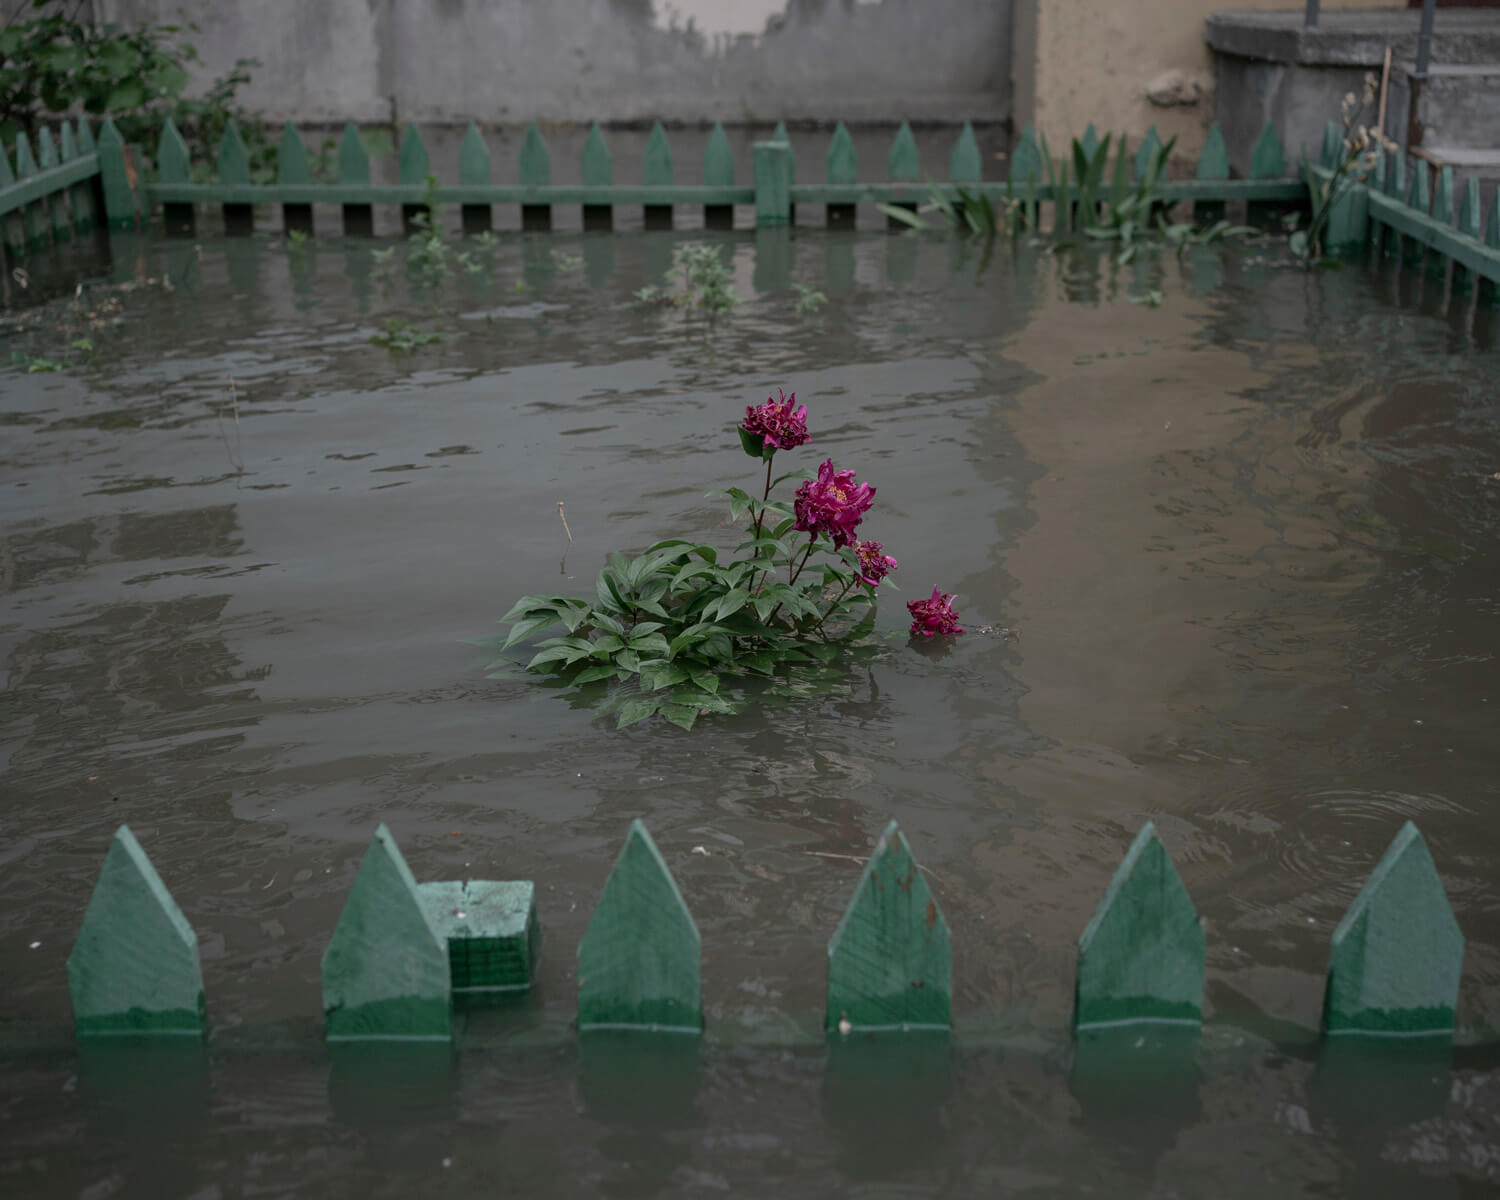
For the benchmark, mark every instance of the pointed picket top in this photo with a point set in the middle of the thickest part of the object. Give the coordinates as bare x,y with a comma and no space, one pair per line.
779,134
1398,953
1213,163
234,159
1267,159
536,161
1419,196
291,158
638,963
25,162
412,157
46,149
718,159
173,164
385,973
68,144
656,162
905,164
135,967
1090,142
890,965
86,143
1140,957
1150,144
1026,158
473,158
1442,197
596,168
841,156
964,164
121,207
1333,143
354,159
1468,209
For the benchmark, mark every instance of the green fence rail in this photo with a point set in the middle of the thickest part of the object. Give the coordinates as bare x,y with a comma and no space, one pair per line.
70,183
402,950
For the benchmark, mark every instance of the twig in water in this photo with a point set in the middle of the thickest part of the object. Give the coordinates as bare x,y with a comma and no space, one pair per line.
1385,80
237,453
562,515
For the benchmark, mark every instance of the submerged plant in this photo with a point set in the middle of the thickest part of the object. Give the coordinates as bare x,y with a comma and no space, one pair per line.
809,299
704,279
1359,151
401,337
671,630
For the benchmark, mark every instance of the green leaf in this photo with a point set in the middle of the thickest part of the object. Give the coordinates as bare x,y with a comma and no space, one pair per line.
594,673
527,626
128,94
703,678
754,444
562,654
897,213
637,709
607,645
652,643
682,715
732,602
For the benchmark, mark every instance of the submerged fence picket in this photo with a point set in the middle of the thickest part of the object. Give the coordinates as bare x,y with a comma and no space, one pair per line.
72,183
402,950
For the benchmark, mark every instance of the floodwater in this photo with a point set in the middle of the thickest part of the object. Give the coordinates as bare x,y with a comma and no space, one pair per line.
1246,539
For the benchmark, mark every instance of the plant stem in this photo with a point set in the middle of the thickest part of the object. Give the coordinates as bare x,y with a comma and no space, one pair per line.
818,627
812,540
759,517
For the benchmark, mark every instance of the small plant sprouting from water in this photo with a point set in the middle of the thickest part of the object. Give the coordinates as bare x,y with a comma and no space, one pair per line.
401,337
703,277
428,252
1359,151
676,630
809,299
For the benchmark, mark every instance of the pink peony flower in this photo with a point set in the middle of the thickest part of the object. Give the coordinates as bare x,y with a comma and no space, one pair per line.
933,617
873,565
833,504
777,424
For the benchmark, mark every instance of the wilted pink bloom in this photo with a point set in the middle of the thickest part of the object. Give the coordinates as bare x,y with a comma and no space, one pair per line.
933,617
833,504
873,565
777,422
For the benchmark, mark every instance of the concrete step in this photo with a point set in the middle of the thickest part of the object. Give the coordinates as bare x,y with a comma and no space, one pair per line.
1355,37
1456,106
1467,163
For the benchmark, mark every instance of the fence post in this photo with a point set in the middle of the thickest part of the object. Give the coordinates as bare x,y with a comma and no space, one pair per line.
656,171
1213,164
234,171
1398,953
354,170
597,171
890,965
841,170
386,975
638,963
773,182
117,179
1468,225
474,171
535,169
174,165
718,171
1141,956
135,968
414,168
292,171
903,165
55,205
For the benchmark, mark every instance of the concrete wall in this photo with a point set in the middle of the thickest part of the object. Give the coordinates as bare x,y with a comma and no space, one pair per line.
1086,60
506,61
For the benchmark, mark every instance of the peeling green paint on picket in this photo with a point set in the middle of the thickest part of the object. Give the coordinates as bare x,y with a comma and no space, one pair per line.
1398,953
890,965
1141,956
639,961
386,974
134,968
490,929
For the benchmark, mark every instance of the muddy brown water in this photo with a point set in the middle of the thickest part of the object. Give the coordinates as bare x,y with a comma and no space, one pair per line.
1247,539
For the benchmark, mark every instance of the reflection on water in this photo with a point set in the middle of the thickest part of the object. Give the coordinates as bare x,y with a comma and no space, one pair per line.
1247,539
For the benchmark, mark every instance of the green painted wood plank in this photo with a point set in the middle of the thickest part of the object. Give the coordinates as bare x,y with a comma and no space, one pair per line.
1483,260
1418,198
1174,190
841,157
638,963
773,183
7,174
233,159
1442,198
1398,953
1489,288
1026,159
1333,145
490,929
80,194
680,193
1141,956
890,965
1150,144
473,158
386,975
46,149
291,158
718,159
173,162
1395,187
904,164
121,203
57,203
1492,229
354,159
1213,163
27,173
412,157
779,134
964,164
45,183
134,968
656,161
536,160
596,169
1468,209
1267,159
86,144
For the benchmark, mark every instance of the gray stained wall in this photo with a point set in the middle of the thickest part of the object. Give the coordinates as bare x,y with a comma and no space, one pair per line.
506,61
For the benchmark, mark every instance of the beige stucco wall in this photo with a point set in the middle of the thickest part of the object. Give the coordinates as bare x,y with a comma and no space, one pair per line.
1078,61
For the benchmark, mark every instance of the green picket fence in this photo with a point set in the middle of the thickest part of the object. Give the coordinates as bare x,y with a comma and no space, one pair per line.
71,183
403,950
